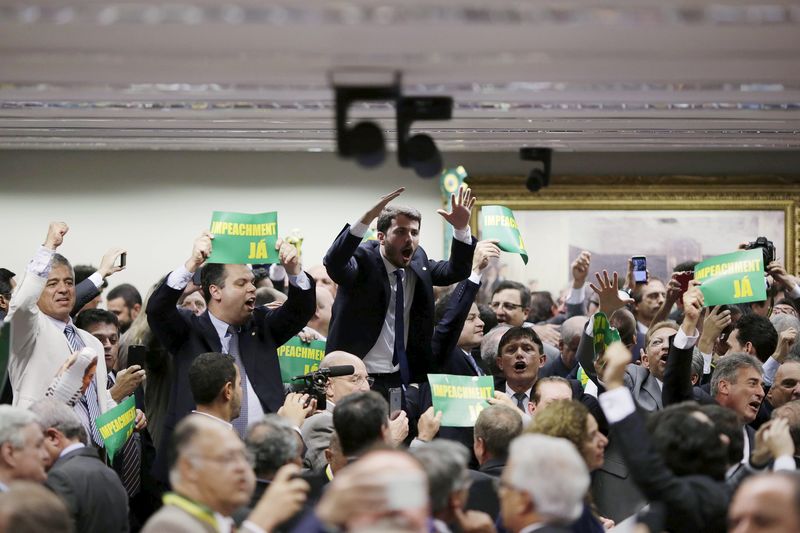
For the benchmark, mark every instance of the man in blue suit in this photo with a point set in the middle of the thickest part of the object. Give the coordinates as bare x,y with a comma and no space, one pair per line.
383,311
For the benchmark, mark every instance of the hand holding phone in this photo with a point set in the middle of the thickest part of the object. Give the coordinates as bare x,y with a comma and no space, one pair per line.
639,269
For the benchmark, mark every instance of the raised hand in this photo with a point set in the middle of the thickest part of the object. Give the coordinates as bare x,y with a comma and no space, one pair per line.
398,429
692,307
461,204
201,249
786,339
608,293
290,259
297,407
779,274
128,379
376,209
484,252
108,264
713,325
580,269
428,425
55,235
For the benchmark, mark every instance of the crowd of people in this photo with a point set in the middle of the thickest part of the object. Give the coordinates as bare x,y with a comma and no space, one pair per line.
689,423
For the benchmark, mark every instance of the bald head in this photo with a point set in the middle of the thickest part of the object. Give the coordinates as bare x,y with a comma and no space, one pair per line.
322,316
786,384
321,277
342,386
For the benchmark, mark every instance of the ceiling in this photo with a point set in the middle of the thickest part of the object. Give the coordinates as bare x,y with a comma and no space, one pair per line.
614,76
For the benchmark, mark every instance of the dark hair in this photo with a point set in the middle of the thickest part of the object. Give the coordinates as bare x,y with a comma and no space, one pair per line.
519,332
212,274
392,212
81,271
686,266
89,317
489,318
5,287
498,425
524,293
208,375
128,293
6,275
625,322
727,423
688,445
359,419
541,306
759,331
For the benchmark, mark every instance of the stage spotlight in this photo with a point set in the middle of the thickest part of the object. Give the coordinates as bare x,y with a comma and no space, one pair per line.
364,142
537,178
419,152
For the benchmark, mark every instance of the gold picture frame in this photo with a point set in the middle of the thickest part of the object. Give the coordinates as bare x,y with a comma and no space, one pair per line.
681,193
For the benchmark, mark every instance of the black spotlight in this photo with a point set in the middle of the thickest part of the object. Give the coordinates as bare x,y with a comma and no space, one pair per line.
364,141
537,178
419,152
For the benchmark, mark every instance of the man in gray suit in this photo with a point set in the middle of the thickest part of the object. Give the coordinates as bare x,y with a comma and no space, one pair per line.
92,492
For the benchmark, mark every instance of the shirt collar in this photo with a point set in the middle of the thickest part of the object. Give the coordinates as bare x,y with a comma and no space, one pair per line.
71,448
390,268
511,392
212,417
219,325
60,324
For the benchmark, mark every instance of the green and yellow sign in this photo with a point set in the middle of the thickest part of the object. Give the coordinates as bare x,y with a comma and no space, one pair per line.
732,278
603,334
116,425
297,357
498,222
460,398
241,238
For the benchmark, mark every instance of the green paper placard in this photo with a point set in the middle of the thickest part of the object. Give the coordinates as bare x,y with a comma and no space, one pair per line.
732,278
241,238
297,357
450,181
5,352
116,425
498,222
603,333
460,398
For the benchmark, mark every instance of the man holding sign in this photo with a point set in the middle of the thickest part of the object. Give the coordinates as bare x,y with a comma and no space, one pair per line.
383,311
231,324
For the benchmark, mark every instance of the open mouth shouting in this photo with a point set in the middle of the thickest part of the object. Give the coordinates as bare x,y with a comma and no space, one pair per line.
406,254
520,367
250,303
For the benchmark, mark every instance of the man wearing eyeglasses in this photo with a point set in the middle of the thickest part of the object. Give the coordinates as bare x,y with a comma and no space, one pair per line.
317,430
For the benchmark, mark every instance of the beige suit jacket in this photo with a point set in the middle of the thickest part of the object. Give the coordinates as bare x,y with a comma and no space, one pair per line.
171,519
39,348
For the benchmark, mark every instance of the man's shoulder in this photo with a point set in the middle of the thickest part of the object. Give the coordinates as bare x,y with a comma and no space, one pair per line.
317,423
171,519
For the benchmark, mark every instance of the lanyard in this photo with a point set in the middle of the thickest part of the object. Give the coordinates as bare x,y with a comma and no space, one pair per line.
201,512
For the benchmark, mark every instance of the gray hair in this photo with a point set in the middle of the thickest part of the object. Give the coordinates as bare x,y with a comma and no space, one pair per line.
273,447
498,425
783,322
553,474
12,421
445,463
59,260
491,342
697,363
571,328
729,365
57,415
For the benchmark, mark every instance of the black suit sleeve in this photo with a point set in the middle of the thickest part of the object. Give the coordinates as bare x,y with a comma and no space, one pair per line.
448,330
677,376
285,321
585,355
339,261
164,318
85,292
455,269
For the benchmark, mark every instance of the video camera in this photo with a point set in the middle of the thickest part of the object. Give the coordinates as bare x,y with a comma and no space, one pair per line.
767,248
314,383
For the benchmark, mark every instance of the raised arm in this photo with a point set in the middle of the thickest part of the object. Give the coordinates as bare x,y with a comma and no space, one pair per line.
288,319
677,376
88,289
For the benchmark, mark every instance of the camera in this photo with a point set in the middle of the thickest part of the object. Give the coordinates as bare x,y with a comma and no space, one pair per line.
767,248
314,383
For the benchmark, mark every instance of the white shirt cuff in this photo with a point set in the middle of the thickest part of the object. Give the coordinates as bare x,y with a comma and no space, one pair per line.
39,265
770,369
707,357
358,229
685,342
300,281
464,235
784,462
97,279
475,277
794,293
252,527
617,404
179,278
576,296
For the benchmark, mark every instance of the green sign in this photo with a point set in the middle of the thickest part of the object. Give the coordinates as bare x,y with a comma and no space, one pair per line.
5,352
498,223
732,278
116,425
460,398
243,239
450,181
603,333
297,357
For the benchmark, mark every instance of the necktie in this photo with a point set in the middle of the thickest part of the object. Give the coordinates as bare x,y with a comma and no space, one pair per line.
520,397
239,424
130,471
473,364
399,356
87,407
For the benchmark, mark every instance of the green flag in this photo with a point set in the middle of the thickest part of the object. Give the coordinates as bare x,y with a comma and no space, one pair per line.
498,223
297,357
603,333
450,181
460,398
732,278
5,352
116,425
240,238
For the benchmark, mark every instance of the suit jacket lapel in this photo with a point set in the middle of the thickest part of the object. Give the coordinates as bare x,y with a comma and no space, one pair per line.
377,259
652,388
210,333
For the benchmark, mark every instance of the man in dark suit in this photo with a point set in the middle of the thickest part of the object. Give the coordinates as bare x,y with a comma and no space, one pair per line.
231,324
93,492
543,485
495,428
383,311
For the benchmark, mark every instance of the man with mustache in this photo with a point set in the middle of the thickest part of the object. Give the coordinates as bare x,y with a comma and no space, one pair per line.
383,311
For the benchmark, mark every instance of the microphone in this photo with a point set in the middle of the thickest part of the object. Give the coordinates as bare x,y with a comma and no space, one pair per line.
330,372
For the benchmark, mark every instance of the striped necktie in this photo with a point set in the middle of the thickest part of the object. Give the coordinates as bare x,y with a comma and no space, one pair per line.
399,356
87,408
129,468
239,424
520,397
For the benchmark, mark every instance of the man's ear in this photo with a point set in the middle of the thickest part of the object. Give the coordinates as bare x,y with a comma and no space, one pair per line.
527,311
531,408
135,310
724,387
478,446
542,360
499,362
216,292
227,391
3,302
645,361
381,236
748,347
